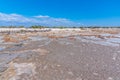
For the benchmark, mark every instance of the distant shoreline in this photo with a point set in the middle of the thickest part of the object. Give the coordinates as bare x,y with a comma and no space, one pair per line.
7,30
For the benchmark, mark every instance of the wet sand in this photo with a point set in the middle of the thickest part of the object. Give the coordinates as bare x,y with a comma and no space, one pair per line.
61,54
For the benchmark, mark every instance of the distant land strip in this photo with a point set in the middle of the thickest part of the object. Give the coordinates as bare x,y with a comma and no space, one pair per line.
15,30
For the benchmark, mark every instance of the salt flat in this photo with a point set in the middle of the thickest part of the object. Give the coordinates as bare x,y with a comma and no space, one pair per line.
61,54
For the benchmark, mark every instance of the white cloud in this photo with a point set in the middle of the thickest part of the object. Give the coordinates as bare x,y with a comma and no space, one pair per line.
41,16
17,19
13,17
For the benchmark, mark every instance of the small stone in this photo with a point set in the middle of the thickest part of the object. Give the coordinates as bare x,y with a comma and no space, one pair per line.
79,78
45,67
114,56
70,73
71,54
58,65
96,74
110,78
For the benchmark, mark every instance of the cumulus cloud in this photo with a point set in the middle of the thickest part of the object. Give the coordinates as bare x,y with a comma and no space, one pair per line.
13,17
16,19
41,16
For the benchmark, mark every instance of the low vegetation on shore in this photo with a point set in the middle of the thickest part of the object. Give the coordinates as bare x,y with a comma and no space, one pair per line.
60,27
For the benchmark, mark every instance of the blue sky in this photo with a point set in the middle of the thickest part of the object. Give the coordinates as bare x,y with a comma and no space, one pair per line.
60,12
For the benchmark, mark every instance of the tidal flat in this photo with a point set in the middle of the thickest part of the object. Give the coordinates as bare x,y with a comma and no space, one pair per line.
61,54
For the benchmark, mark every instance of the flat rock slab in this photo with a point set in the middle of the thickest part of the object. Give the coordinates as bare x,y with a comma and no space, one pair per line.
62,55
